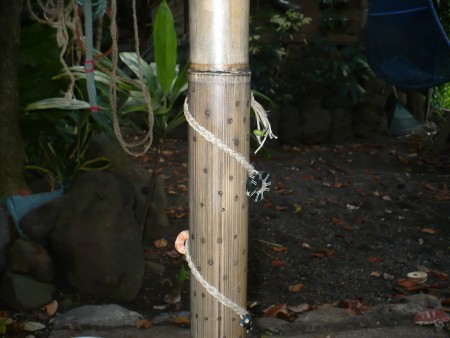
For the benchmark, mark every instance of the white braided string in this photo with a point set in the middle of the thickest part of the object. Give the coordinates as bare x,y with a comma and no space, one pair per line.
262,119
211,289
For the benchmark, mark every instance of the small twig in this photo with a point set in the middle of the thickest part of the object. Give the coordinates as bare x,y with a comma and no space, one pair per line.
270,243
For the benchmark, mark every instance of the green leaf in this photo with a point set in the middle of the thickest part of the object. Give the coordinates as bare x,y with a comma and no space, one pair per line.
180,84
58,103
96,164
165,41
131,60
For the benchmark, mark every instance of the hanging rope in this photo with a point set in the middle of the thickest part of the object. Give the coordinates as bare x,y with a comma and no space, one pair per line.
146,142
60,17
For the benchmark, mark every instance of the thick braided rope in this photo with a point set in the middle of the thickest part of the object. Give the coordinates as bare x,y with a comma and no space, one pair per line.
208,136
211,289
148,138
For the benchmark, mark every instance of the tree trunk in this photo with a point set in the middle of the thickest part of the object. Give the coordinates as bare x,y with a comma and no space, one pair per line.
219,100
12,155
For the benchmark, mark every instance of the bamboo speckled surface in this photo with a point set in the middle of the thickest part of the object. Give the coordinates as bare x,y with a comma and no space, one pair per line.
218,203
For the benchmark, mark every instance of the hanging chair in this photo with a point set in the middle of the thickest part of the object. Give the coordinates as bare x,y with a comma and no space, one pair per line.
406,44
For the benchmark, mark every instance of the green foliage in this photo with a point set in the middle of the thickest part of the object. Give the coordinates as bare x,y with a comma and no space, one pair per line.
57,150
166,81
270,35
3,322
183,275
165,40
38,62
325,69
58,131
440,99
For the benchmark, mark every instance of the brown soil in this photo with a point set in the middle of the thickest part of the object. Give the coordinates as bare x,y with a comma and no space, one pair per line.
342,223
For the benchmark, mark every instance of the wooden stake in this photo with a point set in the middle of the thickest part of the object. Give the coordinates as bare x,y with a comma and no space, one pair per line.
219,100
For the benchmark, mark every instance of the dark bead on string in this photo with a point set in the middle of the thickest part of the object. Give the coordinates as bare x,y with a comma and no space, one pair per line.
246,322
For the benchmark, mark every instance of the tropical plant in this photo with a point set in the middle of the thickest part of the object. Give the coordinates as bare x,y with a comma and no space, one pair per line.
327,70
58,147
165,80
270,36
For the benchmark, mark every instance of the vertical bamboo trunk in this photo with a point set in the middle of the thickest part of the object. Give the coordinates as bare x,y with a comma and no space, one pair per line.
219,99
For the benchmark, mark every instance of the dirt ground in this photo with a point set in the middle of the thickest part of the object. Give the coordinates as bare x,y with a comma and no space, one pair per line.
343,226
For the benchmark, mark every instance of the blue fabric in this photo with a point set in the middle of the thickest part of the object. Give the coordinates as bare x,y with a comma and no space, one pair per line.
18,206
406,44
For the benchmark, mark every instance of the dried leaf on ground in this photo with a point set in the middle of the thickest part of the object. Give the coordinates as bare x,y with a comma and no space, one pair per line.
51,308
181,320
274,310
296,287
306,246
336,220
431,316
298,208
280,248
318,255
430,231
374,259
277,262
439,275
428,186
161,243
376,274
144,324
411,285
33,326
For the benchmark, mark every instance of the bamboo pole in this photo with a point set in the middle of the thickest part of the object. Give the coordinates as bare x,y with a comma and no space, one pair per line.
219,100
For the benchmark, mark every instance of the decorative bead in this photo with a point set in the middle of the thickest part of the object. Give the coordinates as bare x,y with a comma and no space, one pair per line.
246,322
258,185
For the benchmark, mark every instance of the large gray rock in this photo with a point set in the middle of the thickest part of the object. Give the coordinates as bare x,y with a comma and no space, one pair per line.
110,315
38,223
30,258
153,208
96,240
151,200
316,125
24,293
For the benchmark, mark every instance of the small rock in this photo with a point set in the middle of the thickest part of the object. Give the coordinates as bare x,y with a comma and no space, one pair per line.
24,293
270,324
110,315
324,317
32,259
